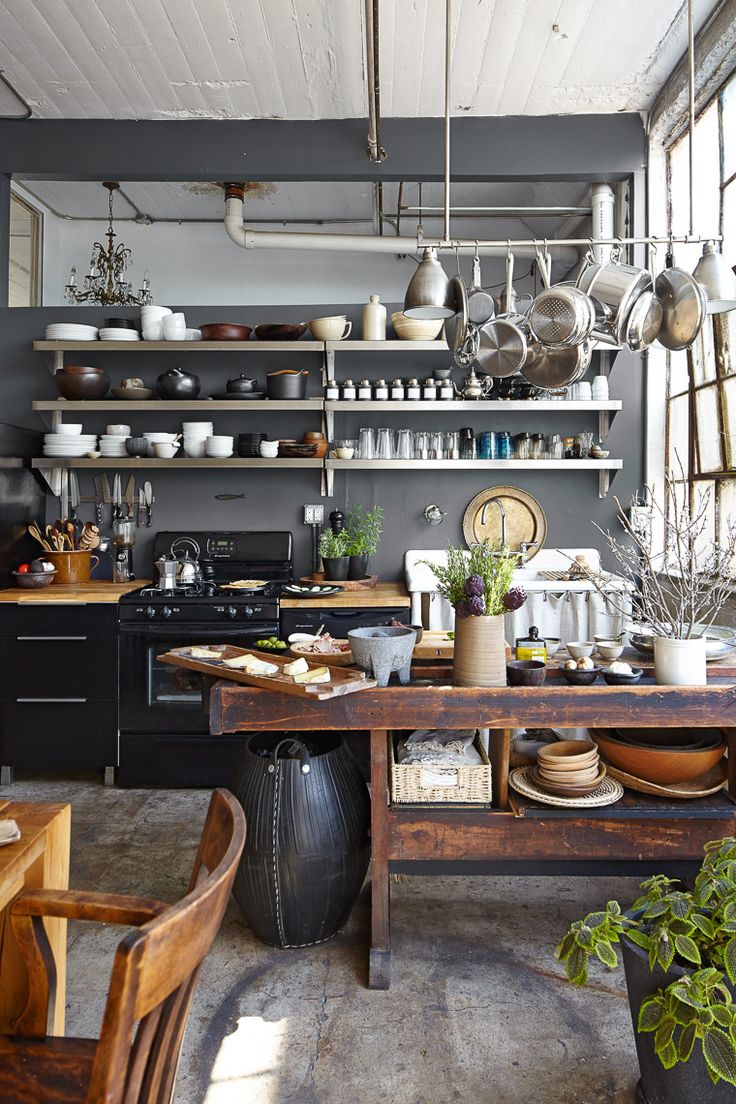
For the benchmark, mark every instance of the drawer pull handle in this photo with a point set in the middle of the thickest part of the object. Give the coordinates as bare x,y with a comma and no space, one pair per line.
55,700
51,638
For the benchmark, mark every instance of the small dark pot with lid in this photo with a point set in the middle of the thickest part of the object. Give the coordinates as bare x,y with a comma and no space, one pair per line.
287,384
176,384
241,385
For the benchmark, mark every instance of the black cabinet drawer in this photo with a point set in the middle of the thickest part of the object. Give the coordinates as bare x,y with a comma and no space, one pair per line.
45,666
64,733
64,619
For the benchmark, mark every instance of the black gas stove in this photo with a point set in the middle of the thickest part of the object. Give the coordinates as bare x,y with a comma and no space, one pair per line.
163,720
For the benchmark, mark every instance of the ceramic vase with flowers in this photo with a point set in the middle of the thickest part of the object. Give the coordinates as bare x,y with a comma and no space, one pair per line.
479,586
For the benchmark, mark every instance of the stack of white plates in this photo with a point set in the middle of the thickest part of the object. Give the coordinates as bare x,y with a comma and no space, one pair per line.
112,445
68,445
195,435
115,333
70,331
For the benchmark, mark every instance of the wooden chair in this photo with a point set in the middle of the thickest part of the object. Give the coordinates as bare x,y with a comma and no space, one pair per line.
154,976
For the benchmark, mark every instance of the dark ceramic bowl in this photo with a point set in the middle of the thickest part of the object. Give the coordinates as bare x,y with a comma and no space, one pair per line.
81,370
136,446
275,331
33,580
225,331
442,373
85,385
580,677
624,680
526,672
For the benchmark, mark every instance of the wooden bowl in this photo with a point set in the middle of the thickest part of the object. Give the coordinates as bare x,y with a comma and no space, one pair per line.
668,737
225,331
568,754
570,778
567,790
337,659
281,331
661,765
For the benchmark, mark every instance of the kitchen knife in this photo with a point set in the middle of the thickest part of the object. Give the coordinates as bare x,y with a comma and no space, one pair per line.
141,508
73,495
64,495
129,496
116,497
148,491
100,499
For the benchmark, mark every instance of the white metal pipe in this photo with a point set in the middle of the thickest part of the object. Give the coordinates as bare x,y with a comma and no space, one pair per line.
371,79
448,45
602,200
691,105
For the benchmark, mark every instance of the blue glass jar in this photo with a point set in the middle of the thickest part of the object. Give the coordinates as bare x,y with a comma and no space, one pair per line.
505,446
488,446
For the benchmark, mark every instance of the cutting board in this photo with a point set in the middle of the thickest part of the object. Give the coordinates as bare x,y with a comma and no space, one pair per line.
434,645
342,680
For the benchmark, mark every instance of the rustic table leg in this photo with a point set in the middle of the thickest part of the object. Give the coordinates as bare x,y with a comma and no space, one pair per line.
499,749
379,971
51,871
731,762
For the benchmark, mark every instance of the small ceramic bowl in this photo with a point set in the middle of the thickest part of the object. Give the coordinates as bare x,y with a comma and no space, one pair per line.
137,446
526,672
614,679
580,649
164,450
69,429
269,449
345,453
117,430
580,677
568,755
442,373
33,580
552,644
609,649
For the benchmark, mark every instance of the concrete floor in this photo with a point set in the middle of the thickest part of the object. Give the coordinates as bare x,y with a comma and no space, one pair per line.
477,1010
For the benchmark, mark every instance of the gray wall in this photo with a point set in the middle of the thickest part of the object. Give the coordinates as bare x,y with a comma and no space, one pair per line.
274,499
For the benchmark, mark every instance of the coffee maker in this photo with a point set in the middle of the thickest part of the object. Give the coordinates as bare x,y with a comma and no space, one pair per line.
123,539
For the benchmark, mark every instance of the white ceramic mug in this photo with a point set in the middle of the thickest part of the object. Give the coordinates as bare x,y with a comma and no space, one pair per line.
269,449
333,328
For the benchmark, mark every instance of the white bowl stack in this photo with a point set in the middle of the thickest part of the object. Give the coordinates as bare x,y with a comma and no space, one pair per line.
600,388
159,438
70,331
195,435
112,444
69,445
118,333
219,447
152,318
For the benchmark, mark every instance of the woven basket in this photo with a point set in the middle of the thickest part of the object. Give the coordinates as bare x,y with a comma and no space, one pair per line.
416,784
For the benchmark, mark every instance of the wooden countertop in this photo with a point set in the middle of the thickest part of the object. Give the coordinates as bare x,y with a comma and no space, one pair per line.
383,594
84,593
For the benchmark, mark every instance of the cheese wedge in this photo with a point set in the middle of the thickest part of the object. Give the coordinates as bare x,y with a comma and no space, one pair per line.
252,665
315,674
298,667
204,653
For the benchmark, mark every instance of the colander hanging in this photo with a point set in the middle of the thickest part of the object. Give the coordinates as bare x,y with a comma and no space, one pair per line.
561,316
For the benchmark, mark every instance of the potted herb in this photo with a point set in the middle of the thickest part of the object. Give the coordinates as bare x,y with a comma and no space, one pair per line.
679,955
479,586
364,531
678,591
334,548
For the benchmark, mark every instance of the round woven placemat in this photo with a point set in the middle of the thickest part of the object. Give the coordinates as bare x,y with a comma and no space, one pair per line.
607,793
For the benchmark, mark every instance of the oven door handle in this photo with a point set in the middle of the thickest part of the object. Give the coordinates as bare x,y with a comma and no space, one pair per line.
128,628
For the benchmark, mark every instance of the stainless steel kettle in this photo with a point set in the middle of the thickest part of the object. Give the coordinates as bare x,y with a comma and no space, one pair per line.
187,552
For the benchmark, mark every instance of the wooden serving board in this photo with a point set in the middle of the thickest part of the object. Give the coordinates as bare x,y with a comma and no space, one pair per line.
434,645
347,584
342,680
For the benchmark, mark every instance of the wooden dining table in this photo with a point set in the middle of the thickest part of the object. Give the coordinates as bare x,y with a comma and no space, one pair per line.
38,860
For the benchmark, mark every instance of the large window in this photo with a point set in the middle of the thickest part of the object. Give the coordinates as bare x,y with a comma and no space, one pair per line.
700,424
25,253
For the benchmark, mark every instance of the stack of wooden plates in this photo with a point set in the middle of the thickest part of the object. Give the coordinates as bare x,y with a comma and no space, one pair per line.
569,768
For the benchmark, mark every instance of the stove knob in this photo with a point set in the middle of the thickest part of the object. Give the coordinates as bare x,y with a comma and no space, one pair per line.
248,611
150,612
167,611
231,612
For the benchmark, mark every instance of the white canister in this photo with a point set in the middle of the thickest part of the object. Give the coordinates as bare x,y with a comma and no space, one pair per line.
332,391
374,320
381,389
679,662
413,390
397,390
365,390
429,390
447,391
349,394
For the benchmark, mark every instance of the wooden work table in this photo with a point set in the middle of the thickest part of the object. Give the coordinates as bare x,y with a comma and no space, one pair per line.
94,592
515,835
383,594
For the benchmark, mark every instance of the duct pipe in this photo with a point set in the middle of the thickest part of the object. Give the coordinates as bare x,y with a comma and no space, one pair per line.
448,50
602,203
375,151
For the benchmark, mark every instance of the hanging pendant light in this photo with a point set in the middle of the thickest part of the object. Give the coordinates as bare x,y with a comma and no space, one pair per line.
428,294
716,279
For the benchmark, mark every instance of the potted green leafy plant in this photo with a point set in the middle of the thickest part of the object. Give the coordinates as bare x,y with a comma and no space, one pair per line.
479,586
364,529
334,548
679,955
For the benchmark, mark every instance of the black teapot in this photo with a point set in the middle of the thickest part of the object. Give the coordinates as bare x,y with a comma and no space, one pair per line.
176,384
242,385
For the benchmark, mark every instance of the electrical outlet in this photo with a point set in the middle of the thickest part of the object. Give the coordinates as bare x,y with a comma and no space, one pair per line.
314,515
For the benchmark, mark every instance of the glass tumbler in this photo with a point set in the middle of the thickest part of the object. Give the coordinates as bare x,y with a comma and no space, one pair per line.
436,451
366,445
404,445
585,440
421,446
384,444
554,447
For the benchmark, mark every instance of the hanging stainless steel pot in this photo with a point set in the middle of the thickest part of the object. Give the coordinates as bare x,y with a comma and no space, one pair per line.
645,322
616,287
456,328
481,307
502,341
550,369
684,307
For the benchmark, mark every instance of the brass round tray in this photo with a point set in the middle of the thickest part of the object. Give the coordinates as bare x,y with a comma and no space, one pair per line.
525,519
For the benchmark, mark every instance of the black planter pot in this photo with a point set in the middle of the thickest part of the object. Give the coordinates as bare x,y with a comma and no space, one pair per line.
358,568
307,848
686,1083
336,569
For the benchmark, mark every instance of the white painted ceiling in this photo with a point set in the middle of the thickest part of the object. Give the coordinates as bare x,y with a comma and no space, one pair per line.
304,59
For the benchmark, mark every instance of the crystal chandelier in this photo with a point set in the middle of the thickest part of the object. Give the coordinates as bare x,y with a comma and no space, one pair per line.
105,282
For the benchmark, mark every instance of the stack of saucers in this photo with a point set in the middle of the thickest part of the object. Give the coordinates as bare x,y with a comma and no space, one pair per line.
118,333
112,444
68,445
249,444
70,331
195,435
569,768
219,447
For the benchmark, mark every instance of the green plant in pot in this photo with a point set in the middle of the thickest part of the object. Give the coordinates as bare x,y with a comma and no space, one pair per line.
334,548
364,529
679,956
479,586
